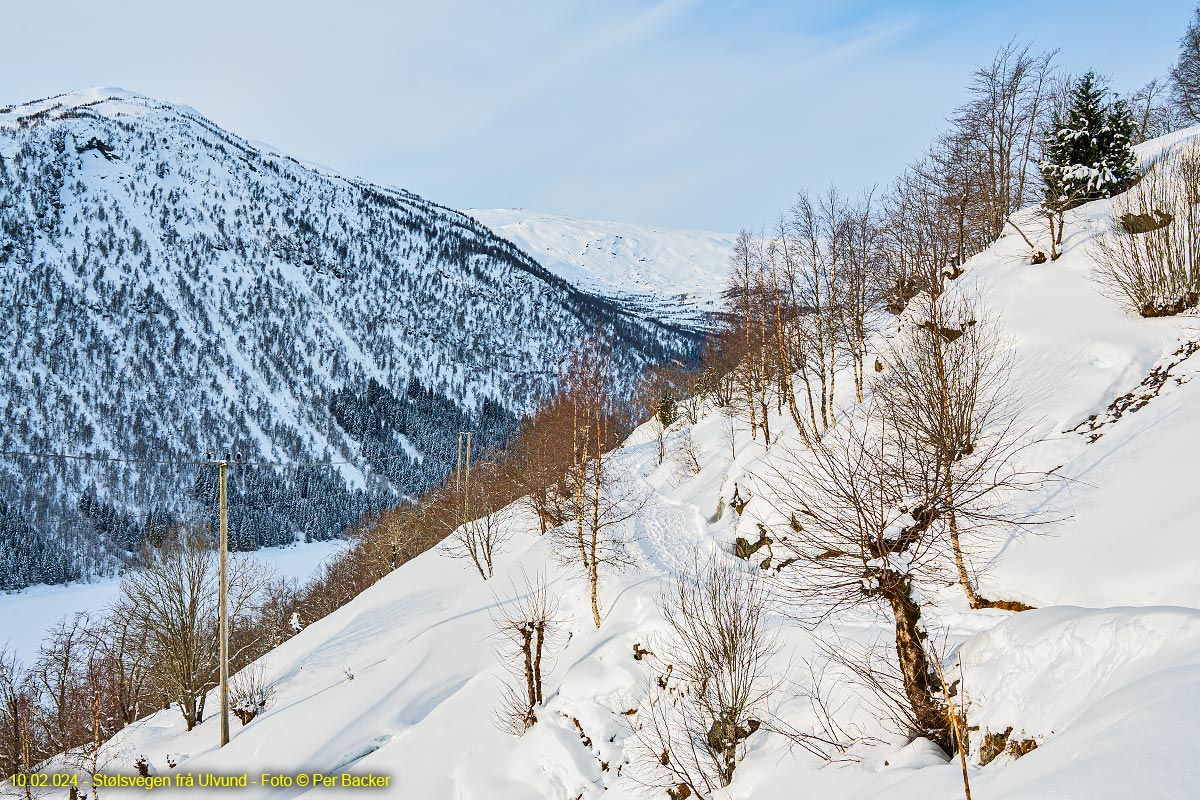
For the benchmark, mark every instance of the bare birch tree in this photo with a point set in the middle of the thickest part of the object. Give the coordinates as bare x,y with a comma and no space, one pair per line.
1153,112
658,393
861,535
20,745
120,652
945,385
1185,74
601,501
1008,107
540,458
173,599
58,674
481,530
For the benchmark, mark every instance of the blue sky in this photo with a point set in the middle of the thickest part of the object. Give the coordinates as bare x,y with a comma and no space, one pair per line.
688,114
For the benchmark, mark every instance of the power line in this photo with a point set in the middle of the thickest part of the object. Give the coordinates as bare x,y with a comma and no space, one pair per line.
199,463
73,457
148,518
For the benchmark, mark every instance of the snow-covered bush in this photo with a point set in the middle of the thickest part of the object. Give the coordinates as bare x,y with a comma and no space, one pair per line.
251,692
1150,257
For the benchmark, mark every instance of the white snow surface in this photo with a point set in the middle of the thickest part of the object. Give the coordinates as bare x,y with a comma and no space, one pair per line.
668,274
1104,675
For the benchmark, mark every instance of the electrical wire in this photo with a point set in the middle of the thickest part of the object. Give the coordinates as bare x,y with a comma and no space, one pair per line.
213,462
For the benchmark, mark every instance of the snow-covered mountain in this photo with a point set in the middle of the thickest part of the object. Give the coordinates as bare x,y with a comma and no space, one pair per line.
170,289
661,273
1101,682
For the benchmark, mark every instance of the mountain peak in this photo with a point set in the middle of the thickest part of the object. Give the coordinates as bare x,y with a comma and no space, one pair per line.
107,101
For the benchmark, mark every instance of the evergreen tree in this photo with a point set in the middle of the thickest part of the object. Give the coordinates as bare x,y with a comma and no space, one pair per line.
1088,155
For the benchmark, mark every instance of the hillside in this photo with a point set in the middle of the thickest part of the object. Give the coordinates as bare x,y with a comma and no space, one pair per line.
1104,676
171,289
662,274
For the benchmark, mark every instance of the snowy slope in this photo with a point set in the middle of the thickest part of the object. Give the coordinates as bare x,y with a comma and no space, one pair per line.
672,275
170,289
402,680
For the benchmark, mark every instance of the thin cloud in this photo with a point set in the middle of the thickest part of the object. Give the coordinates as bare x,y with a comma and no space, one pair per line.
687,113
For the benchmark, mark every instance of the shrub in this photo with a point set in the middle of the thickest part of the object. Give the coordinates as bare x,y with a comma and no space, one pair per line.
1155,268
251,692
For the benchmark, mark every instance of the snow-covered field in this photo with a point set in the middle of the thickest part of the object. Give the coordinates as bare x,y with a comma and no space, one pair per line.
673,275
1104,676
25,615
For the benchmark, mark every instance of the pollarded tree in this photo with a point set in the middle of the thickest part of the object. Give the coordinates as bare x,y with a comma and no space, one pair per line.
1150,258
863,533
527,631
717,683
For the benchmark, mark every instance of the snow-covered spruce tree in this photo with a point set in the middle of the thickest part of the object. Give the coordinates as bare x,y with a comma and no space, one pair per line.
1185,75
1087,155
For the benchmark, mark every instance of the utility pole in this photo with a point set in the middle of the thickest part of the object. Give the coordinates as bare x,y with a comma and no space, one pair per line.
223,588
223,591
462,476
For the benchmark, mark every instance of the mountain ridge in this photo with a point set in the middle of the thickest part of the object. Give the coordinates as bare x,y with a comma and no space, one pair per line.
659,273
176,290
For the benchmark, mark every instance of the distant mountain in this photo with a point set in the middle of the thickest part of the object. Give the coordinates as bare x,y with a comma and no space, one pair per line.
170,289
659,273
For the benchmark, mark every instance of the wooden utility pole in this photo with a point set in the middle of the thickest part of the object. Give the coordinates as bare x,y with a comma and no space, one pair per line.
462,477
223,591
